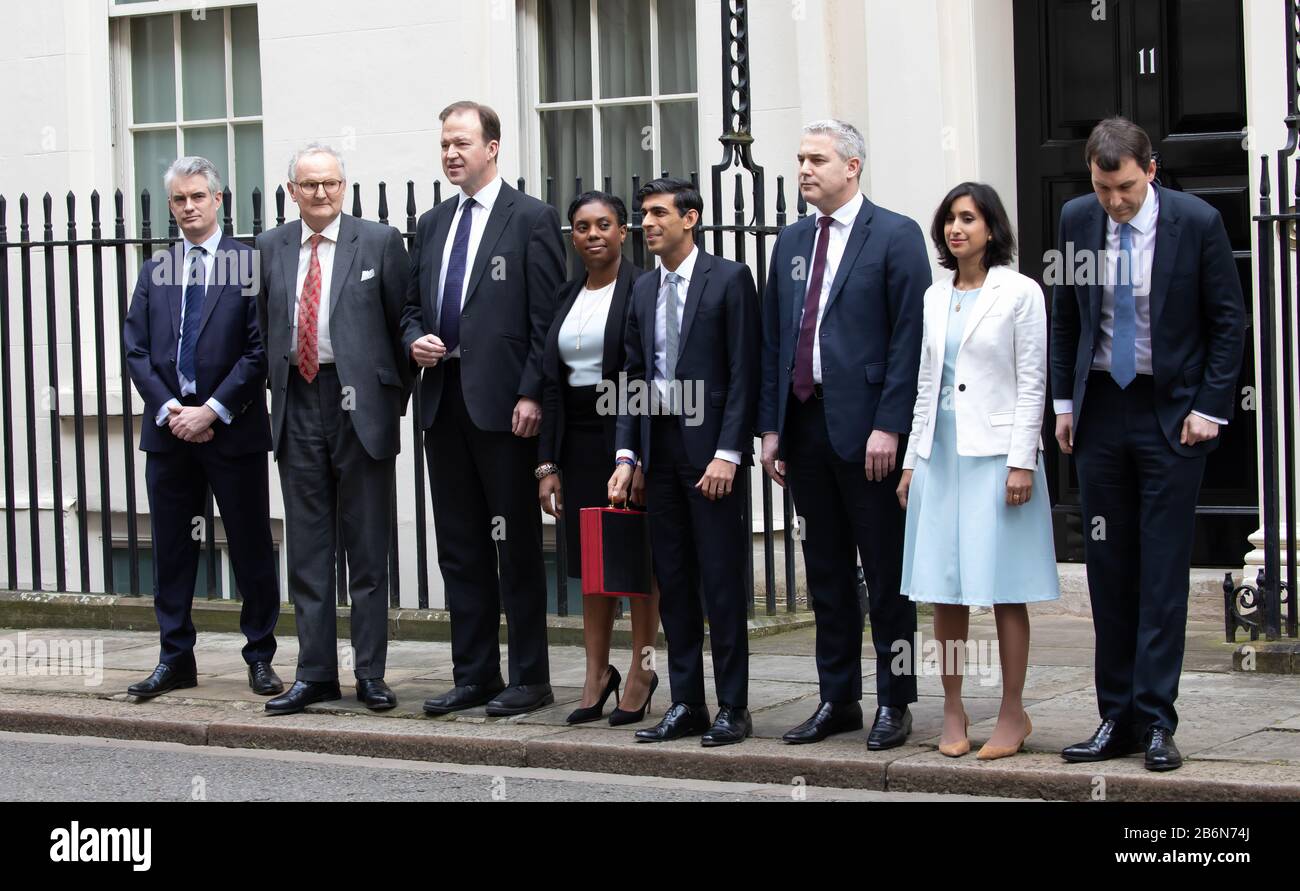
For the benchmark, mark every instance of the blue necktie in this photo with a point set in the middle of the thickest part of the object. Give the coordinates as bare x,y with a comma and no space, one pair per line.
1123,343
449,317
195,291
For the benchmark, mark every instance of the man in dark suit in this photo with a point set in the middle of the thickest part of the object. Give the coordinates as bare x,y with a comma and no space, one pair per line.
194,351
485,266
1145,359
841,349
692,346
332,294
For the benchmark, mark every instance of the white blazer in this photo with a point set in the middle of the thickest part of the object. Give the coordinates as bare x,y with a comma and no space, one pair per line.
1000,385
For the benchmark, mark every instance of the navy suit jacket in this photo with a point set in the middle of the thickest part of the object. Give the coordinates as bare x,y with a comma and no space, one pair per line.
717,355
870,331
1198,315
230,359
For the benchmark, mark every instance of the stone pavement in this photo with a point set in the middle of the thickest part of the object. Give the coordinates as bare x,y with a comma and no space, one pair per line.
1239,730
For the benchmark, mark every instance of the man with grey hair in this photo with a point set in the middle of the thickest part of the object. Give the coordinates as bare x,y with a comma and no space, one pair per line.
194,351
841,351
333,287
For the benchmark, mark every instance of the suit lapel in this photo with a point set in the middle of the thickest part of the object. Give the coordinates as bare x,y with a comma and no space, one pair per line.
989,295
221,269
614,324
699,279
1162,265
176,289
938,327
345,252
431,262
1097,242
289,268
857,238
803,247
496,224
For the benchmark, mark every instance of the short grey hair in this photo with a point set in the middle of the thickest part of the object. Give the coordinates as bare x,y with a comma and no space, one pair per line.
849,141
192,166
315,148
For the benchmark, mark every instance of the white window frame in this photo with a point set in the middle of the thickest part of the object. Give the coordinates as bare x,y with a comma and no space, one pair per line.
123,116
530,91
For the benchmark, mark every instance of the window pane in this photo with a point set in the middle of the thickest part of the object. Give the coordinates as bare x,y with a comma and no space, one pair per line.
677,46
153,69
154,153
248,167
203,65
679,138
566,154
564,50
626,146
624,48
210,143
246,61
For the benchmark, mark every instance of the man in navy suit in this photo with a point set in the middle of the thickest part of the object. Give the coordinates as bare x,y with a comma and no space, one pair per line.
1144,373
841,351
692,347
194,351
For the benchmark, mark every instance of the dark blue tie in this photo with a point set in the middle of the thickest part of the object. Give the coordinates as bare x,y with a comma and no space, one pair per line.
449,315
195,291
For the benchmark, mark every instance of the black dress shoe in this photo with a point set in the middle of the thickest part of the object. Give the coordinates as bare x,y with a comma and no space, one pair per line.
731,726
468,696
890,729
1111,740
680,720
263,680
520,700
1162,754
375,695
829,719
163,680
303,694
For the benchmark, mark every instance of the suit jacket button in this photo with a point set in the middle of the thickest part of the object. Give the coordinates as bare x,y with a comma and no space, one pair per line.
962,388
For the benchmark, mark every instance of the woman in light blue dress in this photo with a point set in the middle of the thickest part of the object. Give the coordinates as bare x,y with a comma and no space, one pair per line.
979,526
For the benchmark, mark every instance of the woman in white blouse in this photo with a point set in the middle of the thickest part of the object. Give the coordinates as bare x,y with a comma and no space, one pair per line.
576,444
979,526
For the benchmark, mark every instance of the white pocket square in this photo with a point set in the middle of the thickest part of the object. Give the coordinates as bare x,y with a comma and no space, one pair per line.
367,274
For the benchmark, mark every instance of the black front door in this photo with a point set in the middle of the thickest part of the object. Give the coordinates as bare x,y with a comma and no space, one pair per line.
1177,68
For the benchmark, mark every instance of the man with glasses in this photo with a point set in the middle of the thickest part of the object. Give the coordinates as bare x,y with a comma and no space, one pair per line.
331,301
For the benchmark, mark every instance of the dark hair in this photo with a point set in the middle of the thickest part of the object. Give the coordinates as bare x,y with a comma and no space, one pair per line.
1001,248
613,202
489,119
685,195
1115,139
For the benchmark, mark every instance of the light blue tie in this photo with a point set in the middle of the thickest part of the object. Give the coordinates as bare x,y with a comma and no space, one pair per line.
672,335
1123,344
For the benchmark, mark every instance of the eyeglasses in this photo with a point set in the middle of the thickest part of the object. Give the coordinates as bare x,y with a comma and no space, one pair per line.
331,186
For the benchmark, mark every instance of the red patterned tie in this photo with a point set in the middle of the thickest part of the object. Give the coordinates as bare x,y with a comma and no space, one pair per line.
802,380
308,313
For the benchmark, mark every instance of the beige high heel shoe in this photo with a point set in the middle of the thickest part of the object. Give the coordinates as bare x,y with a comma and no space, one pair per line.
962,746
990,752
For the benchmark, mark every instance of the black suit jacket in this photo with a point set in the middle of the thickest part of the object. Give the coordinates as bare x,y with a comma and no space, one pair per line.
554,373
230,361
367,290
508,309
1198,316
870,332
718,349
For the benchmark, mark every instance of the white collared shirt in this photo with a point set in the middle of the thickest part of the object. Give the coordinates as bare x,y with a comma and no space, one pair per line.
484,199
684,270
1142,245
189,387
325,256
838,233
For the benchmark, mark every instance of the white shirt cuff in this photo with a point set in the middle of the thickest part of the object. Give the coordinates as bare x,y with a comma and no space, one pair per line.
1063,406
728,455
221,410
1220,421
626,453
161,419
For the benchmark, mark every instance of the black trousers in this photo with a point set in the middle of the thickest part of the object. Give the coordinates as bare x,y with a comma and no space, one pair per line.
698,548
846,517
326,476
176,483
1139,512
489,542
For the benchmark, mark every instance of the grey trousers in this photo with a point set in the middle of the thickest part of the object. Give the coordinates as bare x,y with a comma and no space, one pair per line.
326,476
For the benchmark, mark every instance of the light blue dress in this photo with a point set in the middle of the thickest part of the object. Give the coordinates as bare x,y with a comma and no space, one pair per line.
964,544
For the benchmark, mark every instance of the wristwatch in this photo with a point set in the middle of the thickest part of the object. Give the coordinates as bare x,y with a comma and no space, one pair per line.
546,470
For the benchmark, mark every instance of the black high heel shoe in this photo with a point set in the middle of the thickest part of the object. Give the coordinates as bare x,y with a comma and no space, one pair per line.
587,715
619,716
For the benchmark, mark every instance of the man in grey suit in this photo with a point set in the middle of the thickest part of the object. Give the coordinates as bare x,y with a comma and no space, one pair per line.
333,287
